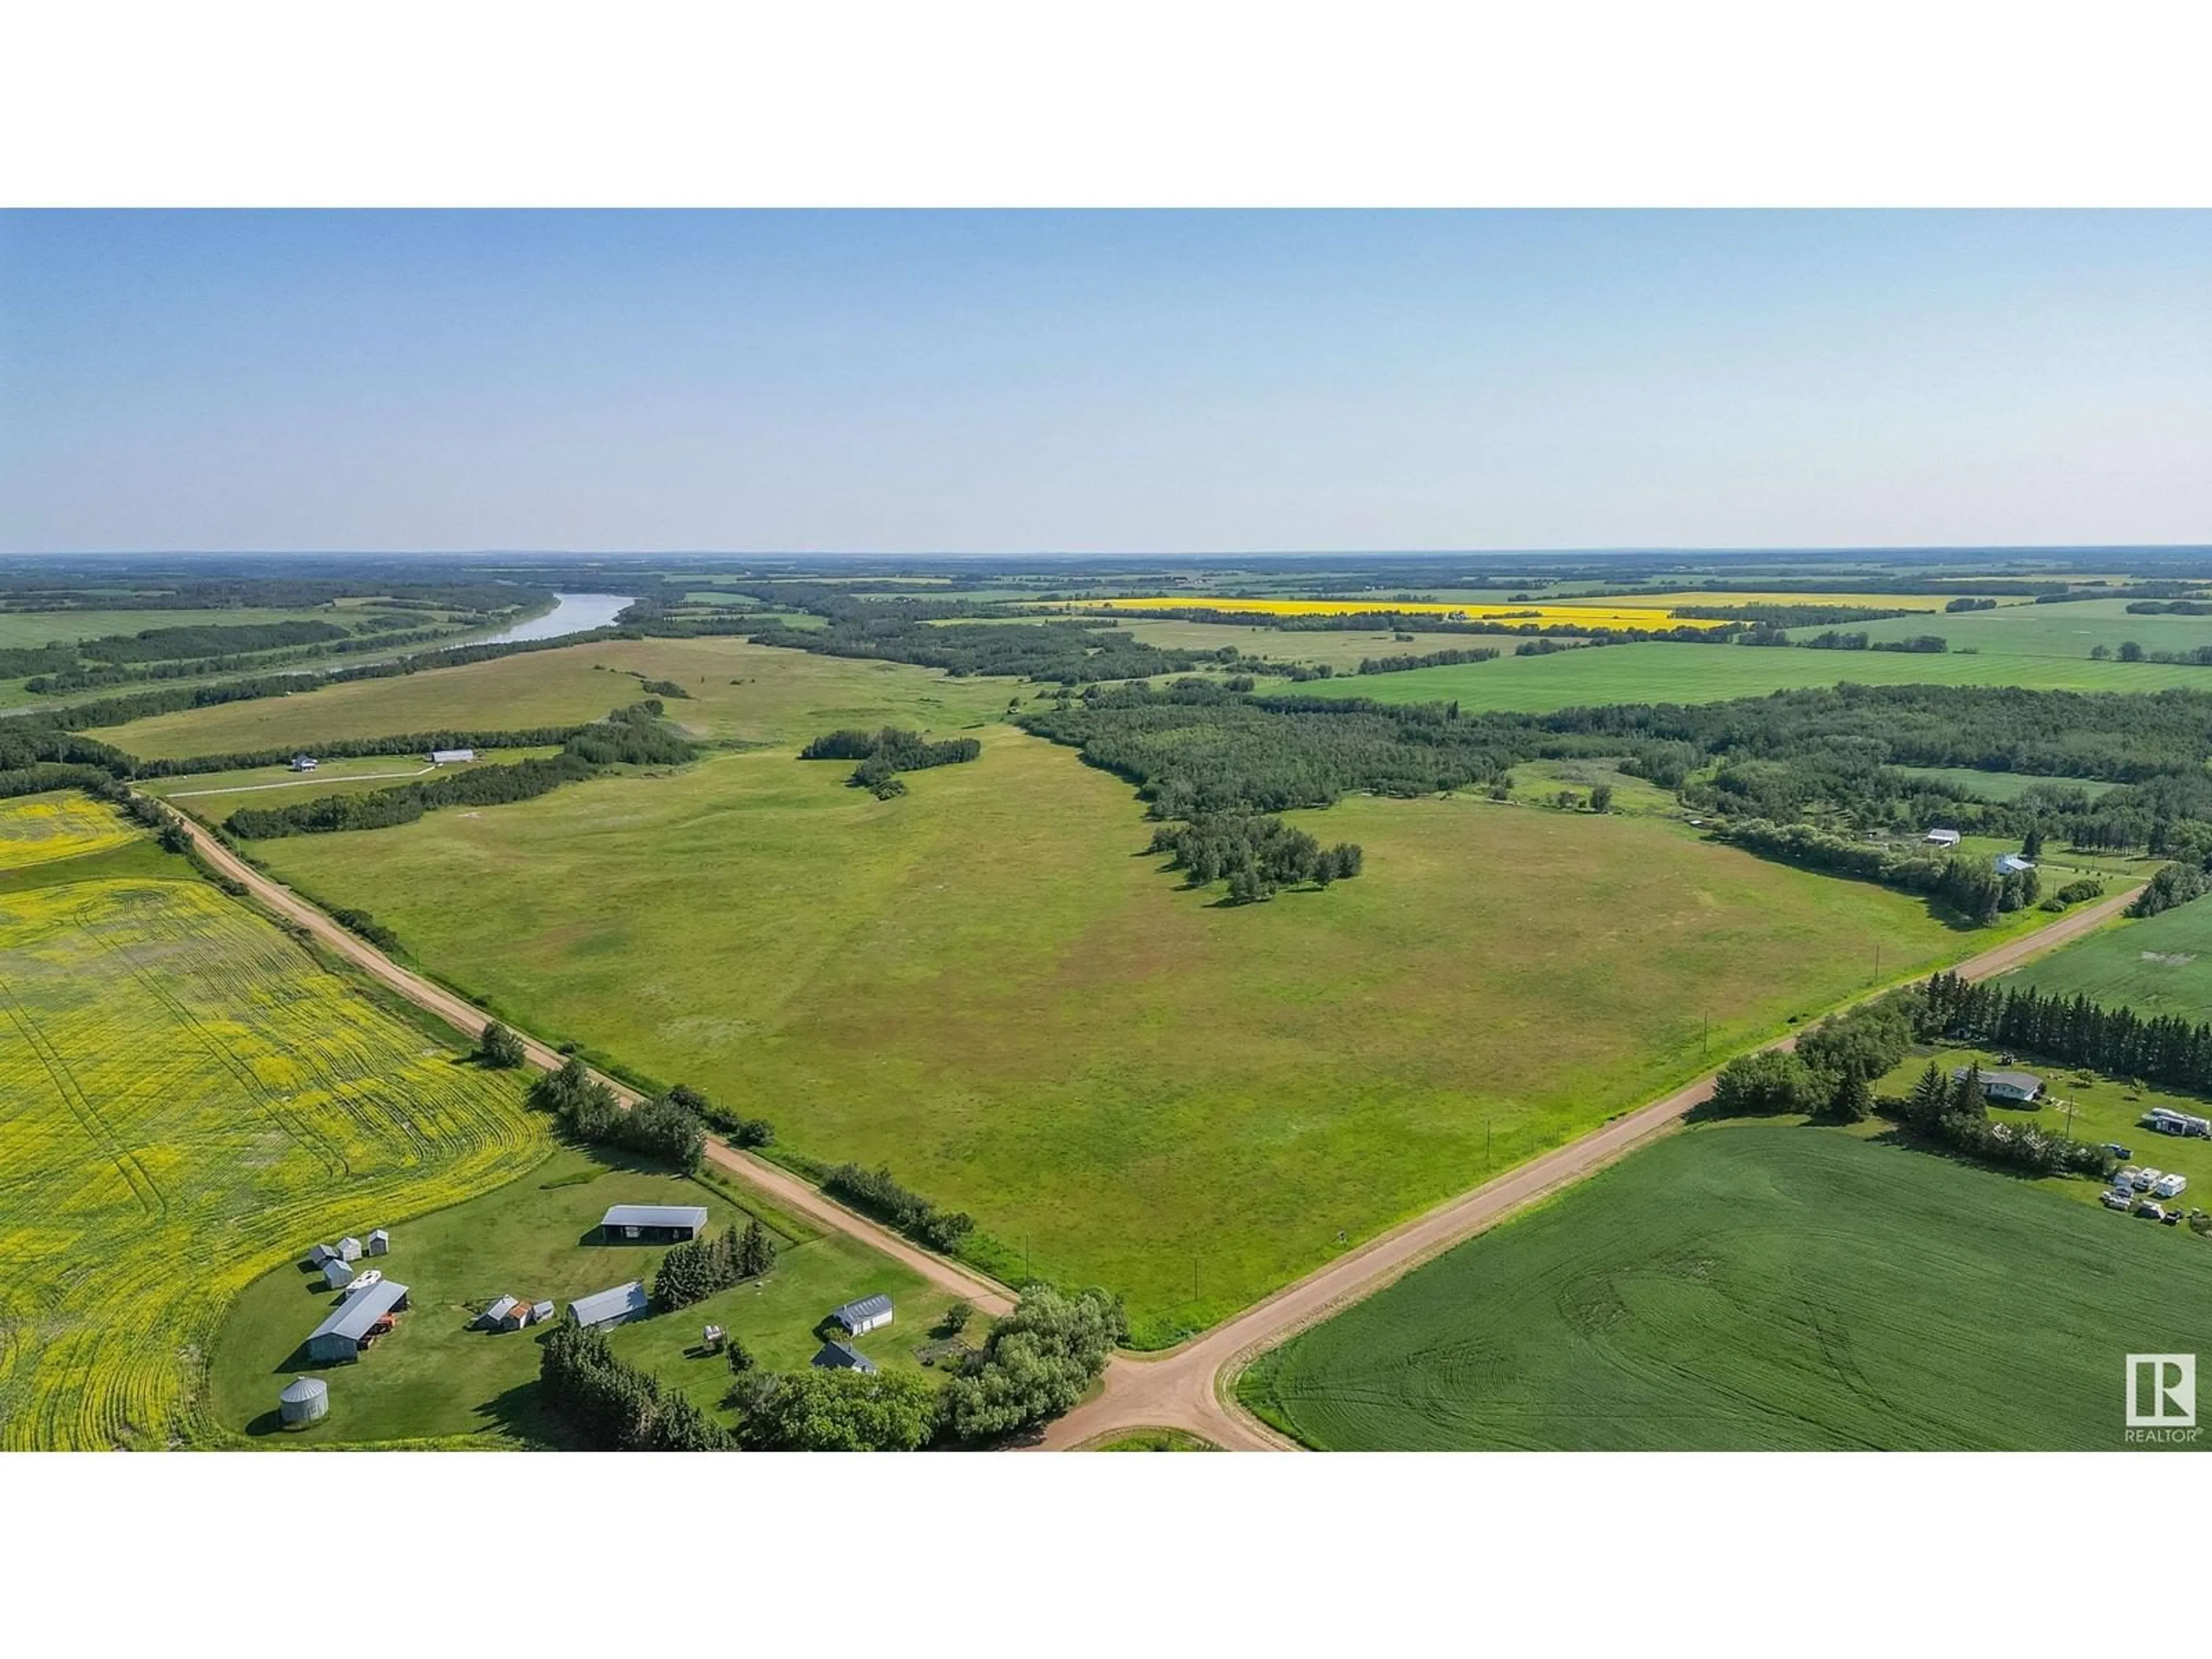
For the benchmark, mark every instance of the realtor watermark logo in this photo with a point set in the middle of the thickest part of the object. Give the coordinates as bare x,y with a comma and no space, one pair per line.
2161,1399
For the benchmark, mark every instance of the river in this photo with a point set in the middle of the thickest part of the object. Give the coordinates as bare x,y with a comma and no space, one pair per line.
572,613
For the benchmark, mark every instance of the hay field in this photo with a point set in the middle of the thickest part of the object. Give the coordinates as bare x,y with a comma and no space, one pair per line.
1757,1286
989,986
1594,613
188,1100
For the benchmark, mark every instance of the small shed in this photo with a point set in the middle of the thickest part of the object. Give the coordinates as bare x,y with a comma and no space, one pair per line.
858,1318
838,1357
653,1223
349,1249
618,1306
515,1317
540,1312
494,1318
2012,864
304,1400
337,1274
380,1242
321,1254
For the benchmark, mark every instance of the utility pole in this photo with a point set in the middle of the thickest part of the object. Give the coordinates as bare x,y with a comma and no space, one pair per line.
1489,1143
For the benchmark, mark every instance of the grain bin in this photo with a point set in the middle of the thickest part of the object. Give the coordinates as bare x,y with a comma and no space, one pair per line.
304,1400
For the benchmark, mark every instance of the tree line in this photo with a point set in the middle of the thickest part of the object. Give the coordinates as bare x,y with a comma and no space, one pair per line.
2166,1049
1406,664
882,755
661,1127
697,1269
1967,886
877,1194
613,1405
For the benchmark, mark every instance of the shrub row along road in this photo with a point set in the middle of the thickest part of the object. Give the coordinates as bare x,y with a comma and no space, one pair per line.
788,1190
1188,1387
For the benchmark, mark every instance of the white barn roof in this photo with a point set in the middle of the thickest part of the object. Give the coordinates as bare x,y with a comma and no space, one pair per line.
656,1215
867,1308
353,1316
622,1302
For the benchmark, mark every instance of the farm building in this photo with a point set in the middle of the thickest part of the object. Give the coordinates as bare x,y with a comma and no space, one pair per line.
654,1224
838,1357
321,1254
1941,838
349,1249
858,1318
515,1317
304,1400
450,757
540,1312
2012,864
2021,1088
604,1307
380,1242
355,1322
337,1272
494,1318
303,762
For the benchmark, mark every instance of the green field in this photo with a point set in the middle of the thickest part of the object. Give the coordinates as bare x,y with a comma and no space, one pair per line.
1659,672
2004,785
2159,965
776,695
214,796
1757,1287
2067,631
186,1099
987,986
21,630
1342,649
437,1378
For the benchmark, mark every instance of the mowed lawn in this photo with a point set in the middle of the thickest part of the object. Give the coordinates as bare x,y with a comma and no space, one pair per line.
989,986
438,1378
1661,671
2161,964
1757,1287
738,692
186,1099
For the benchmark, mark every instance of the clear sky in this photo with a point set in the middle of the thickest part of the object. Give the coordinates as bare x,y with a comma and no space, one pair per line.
1102,382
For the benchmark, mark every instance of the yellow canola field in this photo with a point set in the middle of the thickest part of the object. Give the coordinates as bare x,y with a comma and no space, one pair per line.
39,829
1599,614
186,1100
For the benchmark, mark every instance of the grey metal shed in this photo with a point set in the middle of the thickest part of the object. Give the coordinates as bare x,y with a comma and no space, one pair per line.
378,1241
340,1335
349,1249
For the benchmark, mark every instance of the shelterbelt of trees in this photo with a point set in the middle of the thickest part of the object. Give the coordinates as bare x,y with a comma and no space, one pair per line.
632,736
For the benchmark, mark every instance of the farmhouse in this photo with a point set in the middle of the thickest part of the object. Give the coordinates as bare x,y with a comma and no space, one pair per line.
604,1307
1941,838
836,1357
2012,864
380,1242
654,1224
858,1318
2020,1087
356,1322
451,756
303,762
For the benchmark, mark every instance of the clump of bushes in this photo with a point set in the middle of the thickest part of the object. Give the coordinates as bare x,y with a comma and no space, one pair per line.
884,754
2174,884
1258,853
1037,1363
500,1048
660,1127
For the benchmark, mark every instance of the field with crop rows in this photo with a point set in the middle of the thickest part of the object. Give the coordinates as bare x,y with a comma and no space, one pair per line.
2159,965
39,829
189,1100
1757,1287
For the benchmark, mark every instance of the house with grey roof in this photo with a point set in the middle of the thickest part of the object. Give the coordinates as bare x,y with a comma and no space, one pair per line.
355,1322
858,1318
839,1357
602,1309
653,1223
2015,1087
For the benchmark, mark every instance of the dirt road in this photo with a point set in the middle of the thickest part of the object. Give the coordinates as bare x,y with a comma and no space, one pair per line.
1188,1388
795,1195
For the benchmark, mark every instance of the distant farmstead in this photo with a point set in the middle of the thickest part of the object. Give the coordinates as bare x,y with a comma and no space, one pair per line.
2020,1087
858,1318
356,1322
653,1223
2012,864
615,1307
1941,838
451,756
303,762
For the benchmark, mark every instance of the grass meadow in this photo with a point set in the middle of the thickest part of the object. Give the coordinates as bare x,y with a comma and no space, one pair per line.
437,1378
739,693
1757,1287
187,1099
1664,671
2161,964
2067,631
2004,785
988,985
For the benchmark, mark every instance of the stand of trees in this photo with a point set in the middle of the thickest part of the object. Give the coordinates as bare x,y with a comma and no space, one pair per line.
1037,1363
2162,1048
742,1131
498,1047
875,1192
695,1269
1403,664
1832,1072
614,1407
2175,884
661,1127
1966,885
835,1410
1258,855
882,755
1069,651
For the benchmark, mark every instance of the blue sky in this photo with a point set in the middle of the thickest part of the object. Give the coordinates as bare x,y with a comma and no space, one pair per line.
1153,381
